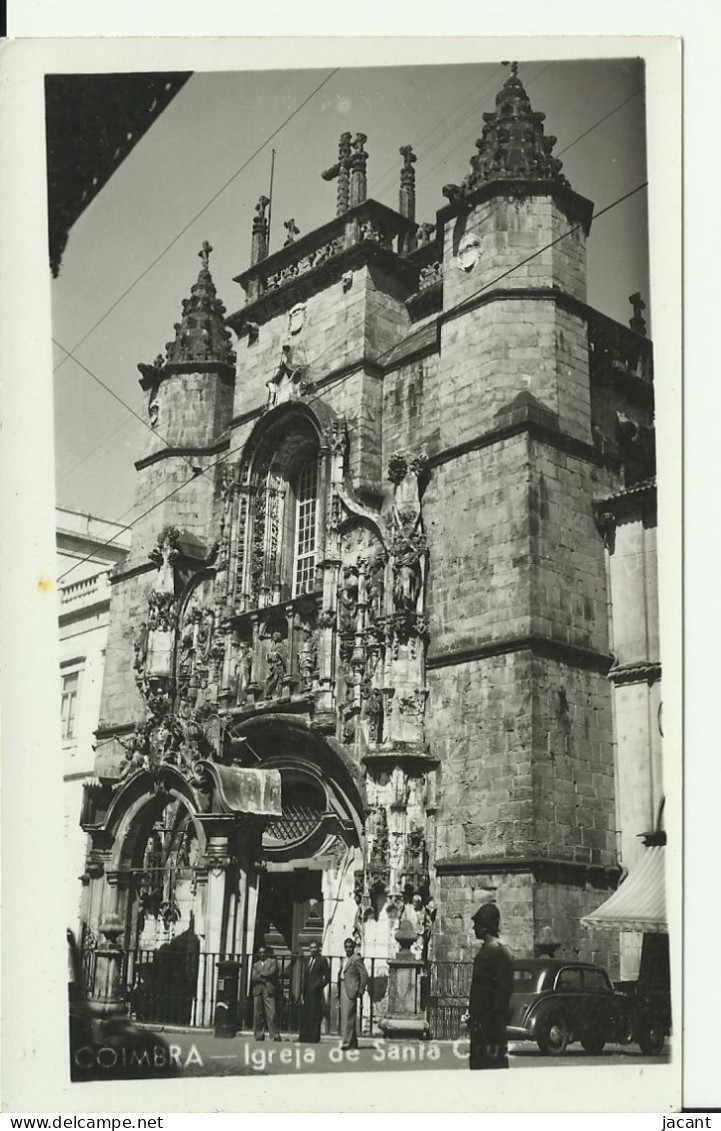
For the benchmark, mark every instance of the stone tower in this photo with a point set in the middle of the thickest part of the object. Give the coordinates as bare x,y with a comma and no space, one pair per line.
521,706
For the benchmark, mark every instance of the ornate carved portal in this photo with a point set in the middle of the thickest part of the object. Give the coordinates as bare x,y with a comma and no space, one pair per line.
224,640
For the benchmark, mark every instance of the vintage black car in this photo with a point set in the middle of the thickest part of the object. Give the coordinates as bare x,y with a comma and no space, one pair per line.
555,1002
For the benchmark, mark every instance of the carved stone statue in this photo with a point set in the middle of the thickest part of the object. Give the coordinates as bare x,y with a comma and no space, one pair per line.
308,660
374,712
275,667
136,758
348,599
407,573
242,672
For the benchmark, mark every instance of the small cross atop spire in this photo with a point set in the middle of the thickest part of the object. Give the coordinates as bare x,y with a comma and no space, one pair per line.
292,231
204,253
638,322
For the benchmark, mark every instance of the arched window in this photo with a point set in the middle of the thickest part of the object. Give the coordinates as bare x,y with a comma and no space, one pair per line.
306,500
283,544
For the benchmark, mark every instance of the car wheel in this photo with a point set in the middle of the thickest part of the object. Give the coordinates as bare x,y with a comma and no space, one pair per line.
593,1042
553,1035
651,1036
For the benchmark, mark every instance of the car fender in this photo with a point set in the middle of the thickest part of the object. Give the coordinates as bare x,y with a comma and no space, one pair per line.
543,1009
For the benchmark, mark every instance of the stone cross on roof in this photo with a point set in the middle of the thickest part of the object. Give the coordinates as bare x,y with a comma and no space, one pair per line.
292,231
340,171
204,253
638,322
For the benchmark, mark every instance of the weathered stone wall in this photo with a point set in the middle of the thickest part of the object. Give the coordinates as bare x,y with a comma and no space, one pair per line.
193,409
526,760
527,904
192,508
411,406
510,231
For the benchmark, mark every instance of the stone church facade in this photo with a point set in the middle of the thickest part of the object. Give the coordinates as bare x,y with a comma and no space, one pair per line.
360,648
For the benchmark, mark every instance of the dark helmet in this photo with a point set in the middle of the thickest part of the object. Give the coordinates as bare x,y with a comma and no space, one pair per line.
488,916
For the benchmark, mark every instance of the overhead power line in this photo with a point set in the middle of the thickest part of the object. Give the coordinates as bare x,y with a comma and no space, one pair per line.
200,212
468,298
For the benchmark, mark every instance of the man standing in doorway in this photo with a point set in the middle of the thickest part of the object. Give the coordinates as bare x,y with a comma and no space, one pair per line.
263,986
314,977
491,988
352,982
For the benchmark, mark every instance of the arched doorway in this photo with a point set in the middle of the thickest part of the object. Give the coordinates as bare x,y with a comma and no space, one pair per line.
310,854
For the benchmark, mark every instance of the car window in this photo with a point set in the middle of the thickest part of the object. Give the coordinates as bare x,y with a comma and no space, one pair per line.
524,980
569,981
595,982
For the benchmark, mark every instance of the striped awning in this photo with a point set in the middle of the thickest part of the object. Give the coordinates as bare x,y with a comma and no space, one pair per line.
639,904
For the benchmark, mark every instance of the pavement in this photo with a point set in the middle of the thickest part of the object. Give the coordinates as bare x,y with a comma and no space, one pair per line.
198,1052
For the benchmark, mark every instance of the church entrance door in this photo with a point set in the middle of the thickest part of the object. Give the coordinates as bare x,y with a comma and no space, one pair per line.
290,915
290,911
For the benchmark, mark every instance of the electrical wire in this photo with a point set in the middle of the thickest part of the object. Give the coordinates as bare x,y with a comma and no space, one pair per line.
145,423
527,83
198,214
452,309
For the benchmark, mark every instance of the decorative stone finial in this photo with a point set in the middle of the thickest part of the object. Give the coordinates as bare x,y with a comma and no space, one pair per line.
201,334
259,220
638,322
358,161
513,145
407,196
259,237
341,171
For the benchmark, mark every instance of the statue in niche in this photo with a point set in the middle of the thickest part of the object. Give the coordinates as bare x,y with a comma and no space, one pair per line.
291,378
275,667
164,555
140,647
407,573
415,914
348,599
374,714
375,571
308,659
242,672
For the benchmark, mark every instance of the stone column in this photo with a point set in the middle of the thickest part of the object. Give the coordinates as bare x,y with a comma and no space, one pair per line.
107,999
405,1017
358,178
407,198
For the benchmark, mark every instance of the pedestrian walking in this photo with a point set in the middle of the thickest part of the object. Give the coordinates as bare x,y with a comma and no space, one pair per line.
491,988
314,977
264,987
352,982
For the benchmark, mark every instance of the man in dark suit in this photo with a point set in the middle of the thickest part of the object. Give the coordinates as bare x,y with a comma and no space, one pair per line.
352,982
314,977
264,985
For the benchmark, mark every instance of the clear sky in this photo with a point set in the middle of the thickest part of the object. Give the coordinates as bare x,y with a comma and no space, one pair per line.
214,125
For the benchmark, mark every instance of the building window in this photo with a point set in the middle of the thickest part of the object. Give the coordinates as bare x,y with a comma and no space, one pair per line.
69,703
305,533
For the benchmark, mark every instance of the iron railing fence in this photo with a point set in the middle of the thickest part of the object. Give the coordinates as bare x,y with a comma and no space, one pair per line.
162,987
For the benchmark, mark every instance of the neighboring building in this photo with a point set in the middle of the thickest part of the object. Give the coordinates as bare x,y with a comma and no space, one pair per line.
83,546
628,521
366,653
